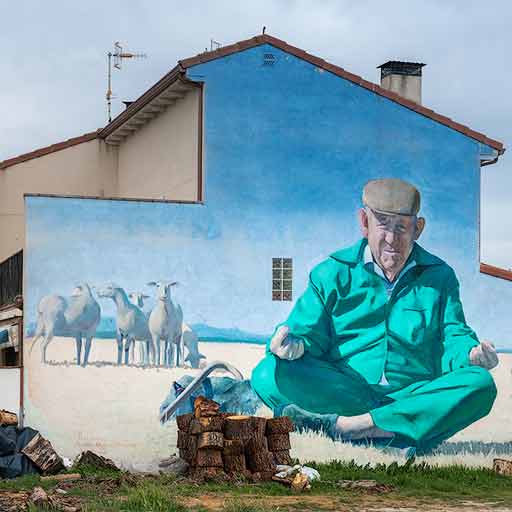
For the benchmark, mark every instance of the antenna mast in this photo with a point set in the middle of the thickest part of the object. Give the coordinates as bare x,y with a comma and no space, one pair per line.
117,56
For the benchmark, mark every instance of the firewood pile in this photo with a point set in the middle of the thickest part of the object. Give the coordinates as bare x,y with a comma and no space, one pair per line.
215,443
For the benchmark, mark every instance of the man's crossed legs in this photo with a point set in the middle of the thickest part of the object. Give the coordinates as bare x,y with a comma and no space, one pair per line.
336,399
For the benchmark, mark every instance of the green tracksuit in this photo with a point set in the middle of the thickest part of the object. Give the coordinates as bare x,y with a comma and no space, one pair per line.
354,335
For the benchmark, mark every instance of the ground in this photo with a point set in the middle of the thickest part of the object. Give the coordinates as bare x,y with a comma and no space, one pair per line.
407,487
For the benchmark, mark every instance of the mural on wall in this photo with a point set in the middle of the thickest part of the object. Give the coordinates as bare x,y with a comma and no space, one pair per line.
368,345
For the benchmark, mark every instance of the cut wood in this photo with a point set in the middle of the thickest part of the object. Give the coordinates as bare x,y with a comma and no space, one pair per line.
258,426
210,424
237,427
189,448
255,445
204,407
40,451
213,440
8,418
89,458
234,463
280,425
209,458
503,466
262,461
63,478
183,421
183,439
282,457
233,447
278,442
208,473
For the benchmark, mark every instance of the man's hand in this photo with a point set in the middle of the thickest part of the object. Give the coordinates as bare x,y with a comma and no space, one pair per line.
484,355
286,346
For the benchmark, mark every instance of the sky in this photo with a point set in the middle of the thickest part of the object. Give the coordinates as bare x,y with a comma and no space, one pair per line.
54,64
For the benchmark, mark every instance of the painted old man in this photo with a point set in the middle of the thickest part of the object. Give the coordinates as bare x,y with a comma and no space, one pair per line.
378,345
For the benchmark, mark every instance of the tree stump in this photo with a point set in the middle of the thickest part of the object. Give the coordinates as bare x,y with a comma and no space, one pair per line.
258,427
261,462
280,425
233,447
237,427
203,407
503,466
282,457
234,464
213,440
255,445
210,424
209,458
183,421
278,442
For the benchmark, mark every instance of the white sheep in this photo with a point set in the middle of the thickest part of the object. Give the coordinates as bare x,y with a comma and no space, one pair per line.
77,316
138,298
190,342
165,324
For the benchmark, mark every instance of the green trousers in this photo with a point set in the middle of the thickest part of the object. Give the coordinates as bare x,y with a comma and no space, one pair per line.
422,414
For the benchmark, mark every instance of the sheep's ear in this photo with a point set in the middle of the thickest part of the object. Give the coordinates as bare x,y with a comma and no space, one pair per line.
151,283
175,283
144,296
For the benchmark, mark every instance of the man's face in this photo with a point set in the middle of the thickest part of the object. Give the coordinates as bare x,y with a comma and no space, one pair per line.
390,237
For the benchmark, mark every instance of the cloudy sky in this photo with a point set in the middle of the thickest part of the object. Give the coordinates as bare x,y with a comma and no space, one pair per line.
54,65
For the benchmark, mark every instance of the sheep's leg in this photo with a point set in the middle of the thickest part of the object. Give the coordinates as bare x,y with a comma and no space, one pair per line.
156,344
128,344
78,341
88,343
46,342
119,339
170,353
143,353
132,353
150,351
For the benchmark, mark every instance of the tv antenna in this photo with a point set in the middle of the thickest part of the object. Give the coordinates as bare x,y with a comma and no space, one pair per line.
117,57
214,45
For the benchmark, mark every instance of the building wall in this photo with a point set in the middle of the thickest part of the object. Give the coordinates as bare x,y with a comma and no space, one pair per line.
87,169
10,386
160,160
288,149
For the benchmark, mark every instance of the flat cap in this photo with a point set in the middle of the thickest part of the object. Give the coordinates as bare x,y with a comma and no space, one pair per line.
391,196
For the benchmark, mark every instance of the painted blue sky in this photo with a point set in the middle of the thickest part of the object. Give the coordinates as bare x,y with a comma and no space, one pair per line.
57,89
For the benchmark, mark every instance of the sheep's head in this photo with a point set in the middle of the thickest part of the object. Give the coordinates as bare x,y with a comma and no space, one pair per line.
163,288
138,298
108,291
81,289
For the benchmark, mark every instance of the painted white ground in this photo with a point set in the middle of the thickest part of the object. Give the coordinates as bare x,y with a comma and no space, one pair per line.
114,410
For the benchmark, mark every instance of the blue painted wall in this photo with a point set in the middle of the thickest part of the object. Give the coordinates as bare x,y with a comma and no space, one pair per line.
288,149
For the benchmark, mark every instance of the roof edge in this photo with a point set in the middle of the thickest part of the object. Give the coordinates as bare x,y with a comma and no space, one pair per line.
498,272
339,71
53,148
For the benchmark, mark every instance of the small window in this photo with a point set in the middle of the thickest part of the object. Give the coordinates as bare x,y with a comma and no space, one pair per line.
9,345
282,277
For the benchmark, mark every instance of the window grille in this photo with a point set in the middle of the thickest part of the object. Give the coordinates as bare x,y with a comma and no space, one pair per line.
269,59
282,277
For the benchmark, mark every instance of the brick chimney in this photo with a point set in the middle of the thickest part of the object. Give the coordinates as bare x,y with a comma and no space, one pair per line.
403,78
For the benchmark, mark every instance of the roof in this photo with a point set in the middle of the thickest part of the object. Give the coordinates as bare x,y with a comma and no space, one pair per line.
491,270
177,75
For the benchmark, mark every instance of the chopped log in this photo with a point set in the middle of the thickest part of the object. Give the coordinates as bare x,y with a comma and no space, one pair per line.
204,407
201,473
209,458
262,476
255,445
40,451
237,427
213,440
210,424
65,477
233,447
89,458
503,466
282,457
183,421
189,449
280,425
262,461
258,426
278,442
183,439
234,464
8,418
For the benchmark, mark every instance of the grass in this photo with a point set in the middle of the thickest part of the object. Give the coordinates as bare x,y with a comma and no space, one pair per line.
122,492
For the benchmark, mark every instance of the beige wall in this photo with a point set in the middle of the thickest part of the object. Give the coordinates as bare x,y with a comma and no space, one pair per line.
160,160
87,169
408,87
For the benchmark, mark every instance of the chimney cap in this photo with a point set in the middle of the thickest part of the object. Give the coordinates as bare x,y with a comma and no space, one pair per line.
398,67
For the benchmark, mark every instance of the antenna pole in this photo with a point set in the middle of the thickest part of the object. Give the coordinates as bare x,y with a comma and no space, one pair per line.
109,87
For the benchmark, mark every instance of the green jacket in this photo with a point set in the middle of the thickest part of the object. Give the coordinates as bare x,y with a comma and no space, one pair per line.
419,333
